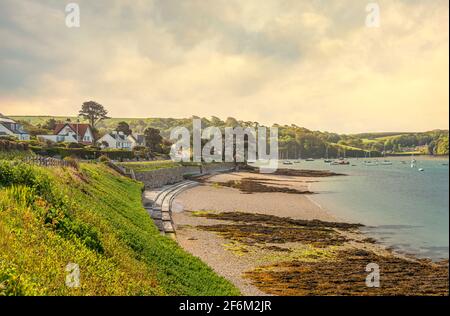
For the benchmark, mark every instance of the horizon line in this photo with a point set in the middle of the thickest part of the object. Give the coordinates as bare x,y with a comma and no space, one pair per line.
286,124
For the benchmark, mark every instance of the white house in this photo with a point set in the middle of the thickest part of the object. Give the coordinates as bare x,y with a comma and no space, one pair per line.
136,140
9,127
71,133
58,138
116,140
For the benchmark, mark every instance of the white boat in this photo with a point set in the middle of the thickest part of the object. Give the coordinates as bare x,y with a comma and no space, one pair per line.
340,162
385,162
309,159
413,162
287,162
370,162
421,169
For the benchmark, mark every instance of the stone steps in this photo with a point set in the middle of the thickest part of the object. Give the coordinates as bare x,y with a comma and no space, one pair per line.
158,204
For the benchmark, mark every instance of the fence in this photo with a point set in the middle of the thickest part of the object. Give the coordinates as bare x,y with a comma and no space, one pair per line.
47,161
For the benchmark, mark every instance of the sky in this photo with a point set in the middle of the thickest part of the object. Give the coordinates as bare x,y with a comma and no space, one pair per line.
311,63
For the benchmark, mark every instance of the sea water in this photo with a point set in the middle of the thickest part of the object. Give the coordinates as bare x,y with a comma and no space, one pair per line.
402,207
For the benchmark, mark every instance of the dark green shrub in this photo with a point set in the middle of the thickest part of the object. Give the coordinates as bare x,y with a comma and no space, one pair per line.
103,158
75,145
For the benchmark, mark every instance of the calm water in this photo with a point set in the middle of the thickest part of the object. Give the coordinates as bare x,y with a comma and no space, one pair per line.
405,208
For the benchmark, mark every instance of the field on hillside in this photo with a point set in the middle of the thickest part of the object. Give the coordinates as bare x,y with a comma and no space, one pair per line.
294,141
92,217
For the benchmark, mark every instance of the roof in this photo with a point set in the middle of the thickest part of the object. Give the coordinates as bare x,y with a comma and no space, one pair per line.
11,125
78,128
5,119
121,137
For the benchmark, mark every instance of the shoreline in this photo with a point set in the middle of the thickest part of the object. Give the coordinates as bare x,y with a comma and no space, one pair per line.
260,230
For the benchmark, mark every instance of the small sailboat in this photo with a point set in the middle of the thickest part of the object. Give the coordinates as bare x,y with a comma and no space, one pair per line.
287,162
421,169
413,161
369,162
309,159
327,159
385,162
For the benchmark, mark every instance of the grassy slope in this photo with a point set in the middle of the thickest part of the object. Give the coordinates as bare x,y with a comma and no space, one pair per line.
141,166
92,217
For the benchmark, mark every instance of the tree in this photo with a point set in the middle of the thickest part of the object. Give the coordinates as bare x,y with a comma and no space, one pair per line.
94,112
124,127
231,122
442,146
50,124
153,139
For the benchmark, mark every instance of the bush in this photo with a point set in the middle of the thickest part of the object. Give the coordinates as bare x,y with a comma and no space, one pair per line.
139,148
83,153
75,145
103,158
92,147
6,144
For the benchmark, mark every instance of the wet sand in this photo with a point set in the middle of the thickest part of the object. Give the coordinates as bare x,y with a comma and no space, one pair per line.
213,195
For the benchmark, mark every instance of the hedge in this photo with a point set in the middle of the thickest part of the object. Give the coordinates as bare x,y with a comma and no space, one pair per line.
83,153
12,145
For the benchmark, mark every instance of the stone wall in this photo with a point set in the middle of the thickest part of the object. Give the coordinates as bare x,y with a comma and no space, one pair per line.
160,177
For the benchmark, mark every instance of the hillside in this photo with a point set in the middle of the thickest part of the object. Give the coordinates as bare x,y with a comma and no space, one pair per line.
294,141
92,217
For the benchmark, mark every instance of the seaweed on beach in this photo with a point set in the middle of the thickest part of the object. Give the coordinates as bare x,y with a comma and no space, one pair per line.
259,229
258,234
251,185
329,265
346,275
276,220
296,172
307,173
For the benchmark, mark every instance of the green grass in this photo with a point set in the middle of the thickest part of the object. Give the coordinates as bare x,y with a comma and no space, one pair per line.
15,154
368,141
142,166
93,217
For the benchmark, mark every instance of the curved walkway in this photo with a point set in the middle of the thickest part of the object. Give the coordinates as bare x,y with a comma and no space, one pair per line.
158,204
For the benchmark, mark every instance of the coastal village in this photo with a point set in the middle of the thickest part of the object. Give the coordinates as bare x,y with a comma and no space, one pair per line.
68,132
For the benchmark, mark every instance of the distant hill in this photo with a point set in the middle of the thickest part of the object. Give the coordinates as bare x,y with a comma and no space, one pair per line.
294,141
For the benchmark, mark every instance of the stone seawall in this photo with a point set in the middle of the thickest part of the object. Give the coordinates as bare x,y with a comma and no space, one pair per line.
160,177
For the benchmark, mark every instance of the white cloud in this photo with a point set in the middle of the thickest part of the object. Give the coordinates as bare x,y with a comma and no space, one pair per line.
306,62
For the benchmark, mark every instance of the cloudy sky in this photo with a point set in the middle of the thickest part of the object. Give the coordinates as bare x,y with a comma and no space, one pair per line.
313,63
